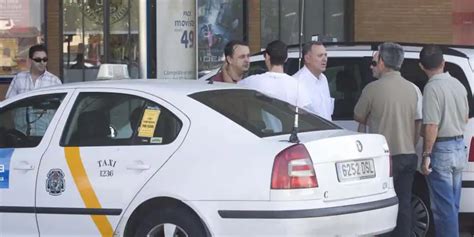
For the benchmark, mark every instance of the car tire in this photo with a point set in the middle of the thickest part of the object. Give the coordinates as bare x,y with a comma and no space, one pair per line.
177,221
422,218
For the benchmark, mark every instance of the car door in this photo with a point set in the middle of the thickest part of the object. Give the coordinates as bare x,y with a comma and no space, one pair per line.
105,149
26,126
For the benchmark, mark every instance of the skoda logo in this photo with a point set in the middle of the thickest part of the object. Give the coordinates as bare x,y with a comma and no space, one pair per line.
359,146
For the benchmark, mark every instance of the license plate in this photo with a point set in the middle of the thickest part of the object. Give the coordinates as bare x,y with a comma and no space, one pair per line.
355,170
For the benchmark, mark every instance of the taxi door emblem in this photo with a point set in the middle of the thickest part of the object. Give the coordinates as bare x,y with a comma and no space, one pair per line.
359,146
55,184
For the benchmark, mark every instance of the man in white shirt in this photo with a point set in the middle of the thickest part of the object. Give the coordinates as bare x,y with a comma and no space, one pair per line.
276,83
37,77
36,121
313,81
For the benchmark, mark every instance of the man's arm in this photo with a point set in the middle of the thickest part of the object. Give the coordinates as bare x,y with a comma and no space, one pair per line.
430,133
362,123
360,119
12,89
417,131
362,110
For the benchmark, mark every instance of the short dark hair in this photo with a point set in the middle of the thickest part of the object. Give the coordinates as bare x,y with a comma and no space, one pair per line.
431,56
278,52
231,45
36,48
307,46
392,55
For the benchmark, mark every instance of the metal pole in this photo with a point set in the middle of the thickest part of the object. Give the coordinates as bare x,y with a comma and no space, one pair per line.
279,20
129,36
142,36
301,32
106,9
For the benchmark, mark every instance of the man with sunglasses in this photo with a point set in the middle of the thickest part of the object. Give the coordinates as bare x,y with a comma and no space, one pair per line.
389,106
37,77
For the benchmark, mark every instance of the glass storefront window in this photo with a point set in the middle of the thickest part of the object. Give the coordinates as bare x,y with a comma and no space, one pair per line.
280,19
21,26
84,48
219,21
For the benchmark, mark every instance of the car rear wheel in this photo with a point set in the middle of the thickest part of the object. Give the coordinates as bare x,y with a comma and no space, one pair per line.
421,220
171,222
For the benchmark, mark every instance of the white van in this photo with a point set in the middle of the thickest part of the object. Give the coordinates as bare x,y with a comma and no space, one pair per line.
348,71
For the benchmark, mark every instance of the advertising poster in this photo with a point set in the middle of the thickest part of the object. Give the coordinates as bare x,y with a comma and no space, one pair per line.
176,39
14,13
219,21
20,27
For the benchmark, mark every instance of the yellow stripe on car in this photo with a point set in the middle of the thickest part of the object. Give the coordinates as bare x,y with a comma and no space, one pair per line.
74,161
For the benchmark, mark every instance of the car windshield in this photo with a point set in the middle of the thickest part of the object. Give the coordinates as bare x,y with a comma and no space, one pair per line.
262,115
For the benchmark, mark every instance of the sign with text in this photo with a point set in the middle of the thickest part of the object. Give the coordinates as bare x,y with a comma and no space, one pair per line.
17,12
219,21
176,39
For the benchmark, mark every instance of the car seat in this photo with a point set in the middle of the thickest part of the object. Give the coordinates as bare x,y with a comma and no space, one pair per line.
347,85
93,128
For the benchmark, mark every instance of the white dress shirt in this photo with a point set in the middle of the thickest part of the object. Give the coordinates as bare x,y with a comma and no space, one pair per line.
278,85
322,104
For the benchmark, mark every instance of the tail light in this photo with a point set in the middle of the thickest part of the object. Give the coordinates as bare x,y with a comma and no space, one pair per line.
471,150
293,169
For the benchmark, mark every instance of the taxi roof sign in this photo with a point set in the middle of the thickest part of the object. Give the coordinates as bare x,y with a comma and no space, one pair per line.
113,72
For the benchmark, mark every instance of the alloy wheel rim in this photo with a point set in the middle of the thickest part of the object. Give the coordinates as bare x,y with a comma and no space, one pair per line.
167,230
420,217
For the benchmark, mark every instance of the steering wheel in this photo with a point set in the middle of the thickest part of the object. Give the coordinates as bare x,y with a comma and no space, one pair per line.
15,138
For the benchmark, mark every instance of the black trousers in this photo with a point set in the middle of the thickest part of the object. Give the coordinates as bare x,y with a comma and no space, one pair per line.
403,170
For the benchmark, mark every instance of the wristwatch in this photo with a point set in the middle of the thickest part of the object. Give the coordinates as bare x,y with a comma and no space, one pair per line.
426,154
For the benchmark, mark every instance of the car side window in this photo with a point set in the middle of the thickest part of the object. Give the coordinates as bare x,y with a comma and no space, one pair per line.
346,78
112,119
411,71
24,123
456,71
257,67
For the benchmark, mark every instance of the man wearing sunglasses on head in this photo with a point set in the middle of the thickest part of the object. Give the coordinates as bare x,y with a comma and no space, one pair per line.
37,77
391,106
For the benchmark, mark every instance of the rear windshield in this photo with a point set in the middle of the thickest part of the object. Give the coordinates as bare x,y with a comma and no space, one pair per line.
262,115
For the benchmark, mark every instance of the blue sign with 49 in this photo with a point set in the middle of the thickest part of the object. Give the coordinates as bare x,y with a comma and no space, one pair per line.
5,156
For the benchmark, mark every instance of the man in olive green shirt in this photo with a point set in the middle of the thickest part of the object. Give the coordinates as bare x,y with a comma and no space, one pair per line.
388,106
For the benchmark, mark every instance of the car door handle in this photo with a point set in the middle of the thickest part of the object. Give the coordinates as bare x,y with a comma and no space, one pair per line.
138,167
23,165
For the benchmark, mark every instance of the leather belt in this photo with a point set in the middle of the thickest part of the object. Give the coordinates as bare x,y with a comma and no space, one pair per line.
445,139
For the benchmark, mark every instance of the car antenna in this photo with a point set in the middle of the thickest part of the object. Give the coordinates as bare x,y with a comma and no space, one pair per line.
294,132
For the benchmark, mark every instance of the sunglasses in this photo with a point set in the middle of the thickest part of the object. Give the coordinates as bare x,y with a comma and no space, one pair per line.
373,63
38,60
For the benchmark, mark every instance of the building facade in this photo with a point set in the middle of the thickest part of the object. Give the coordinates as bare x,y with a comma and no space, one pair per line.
82,34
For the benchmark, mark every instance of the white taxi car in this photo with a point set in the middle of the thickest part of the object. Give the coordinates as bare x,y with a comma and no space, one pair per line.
184,158
348,71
